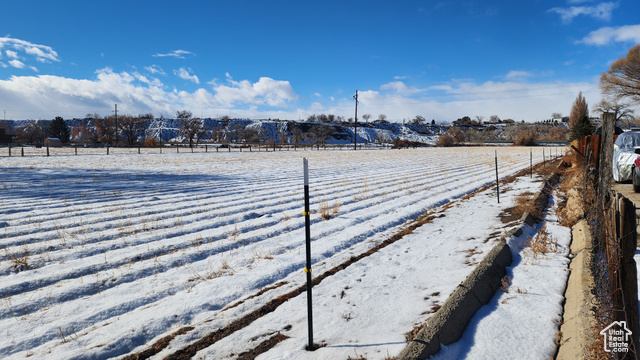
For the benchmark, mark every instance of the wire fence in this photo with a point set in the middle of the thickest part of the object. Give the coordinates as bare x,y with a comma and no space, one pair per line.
175,148
612,219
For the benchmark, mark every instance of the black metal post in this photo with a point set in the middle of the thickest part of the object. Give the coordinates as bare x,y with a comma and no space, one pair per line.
497,182
9,150
22,151
76,149
307,269
531,162
544,159
47,151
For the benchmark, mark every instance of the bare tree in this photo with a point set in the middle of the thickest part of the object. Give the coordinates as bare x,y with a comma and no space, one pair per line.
132,128
556,115
579,110
382,117
321,133
479,118
190,128
622,80
366,117
146,117
494,119
184,114
418,120
619,109
296,132
105,127
32,132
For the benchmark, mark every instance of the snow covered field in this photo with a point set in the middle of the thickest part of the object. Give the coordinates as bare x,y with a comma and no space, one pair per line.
101,256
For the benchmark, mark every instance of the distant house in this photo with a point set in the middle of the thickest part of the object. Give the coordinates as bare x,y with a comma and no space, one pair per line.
52,142
4,138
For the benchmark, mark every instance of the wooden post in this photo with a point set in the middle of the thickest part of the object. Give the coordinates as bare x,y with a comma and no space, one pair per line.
22,152
9,150
629,281
76,149
47,151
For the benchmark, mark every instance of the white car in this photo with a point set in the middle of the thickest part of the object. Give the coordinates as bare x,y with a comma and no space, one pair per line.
625,165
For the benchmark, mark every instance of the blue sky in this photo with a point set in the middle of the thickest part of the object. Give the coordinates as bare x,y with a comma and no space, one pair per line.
288,59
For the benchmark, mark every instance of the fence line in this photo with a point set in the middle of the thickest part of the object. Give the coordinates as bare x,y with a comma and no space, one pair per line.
18,151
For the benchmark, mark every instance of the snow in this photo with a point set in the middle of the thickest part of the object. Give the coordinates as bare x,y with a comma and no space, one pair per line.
529,315
125,249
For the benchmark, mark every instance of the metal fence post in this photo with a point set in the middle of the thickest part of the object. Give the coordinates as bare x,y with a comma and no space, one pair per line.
307,269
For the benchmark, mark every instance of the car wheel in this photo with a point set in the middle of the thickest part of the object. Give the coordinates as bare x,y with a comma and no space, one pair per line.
636,179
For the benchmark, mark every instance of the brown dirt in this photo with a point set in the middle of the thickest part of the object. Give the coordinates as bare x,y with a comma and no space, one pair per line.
263,347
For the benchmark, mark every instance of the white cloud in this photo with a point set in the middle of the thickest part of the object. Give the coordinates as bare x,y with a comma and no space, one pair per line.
317,95
42,53
46,96
518,74
186,74
180,54
605,35
517,100
601,11
399,87
16,64
399,77
155,69
266,91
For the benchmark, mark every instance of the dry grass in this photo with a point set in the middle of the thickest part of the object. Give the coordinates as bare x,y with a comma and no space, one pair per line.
324,210
505,283
576,192
328,211
19,258
526,203
540,244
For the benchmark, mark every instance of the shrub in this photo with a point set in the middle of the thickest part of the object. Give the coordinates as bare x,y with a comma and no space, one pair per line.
150,141
525,137
445,141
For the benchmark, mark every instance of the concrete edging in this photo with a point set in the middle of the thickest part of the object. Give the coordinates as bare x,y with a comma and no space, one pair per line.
578,315
448,324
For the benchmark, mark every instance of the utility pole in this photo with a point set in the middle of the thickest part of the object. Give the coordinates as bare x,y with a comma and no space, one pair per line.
116,112
355,123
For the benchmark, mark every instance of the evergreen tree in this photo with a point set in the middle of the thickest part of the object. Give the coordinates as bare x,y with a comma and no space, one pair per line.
581,128
58,129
